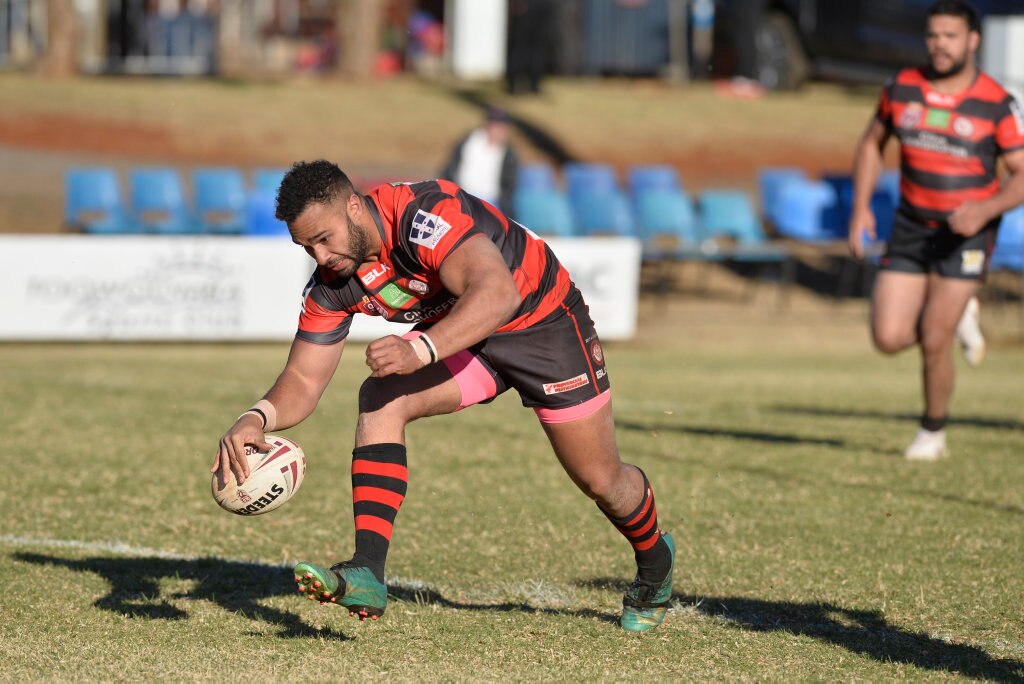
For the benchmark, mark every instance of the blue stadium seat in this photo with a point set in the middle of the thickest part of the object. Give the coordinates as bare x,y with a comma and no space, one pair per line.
219,195
667,224
268,179
837,217
259,216
92,201
604,213
666,214
584,179
889,183
545,212
535,177
646,178
770,181
1008,254
158,202
799,207
730,213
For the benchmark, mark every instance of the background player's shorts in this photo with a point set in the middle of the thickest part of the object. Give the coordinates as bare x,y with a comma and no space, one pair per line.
556,366
916,248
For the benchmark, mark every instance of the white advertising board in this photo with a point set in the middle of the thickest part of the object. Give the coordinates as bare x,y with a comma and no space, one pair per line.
148,288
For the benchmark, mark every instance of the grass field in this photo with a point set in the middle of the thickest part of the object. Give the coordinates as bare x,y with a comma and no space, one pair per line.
808,549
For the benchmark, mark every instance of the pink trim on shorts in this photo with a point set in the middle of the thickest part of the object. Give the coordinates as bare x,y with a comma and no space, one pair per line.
571,413
474,380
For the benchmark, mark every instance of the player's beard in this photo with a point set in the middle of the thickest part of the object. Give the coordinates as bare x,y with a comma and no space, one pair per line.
954,70
359,245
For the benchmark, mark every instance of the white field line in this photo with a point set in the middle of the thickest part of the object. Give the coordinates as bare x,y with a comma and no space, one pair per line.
119,548
529,589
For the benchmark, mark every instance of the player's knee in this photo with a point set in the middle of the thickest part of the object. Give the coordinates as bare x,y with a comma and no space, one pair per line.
600,484
936,341
381,398
890,340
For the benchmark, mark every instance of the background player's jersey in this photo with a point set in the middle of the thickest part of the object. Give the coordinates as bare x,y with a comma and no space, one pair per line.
949,144
420,224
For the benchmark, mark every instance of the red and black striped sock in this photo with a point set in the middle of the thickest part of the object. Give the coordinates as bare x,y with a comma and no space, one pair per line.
379,481
640,528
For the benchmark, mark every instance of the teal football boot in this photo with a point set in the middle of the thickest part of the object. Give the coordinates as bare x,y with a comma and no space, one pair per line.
644,605
352,586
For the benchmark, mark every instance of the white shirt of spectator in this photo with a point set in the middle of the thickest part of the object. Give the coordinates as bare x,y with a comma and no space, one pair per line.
479,171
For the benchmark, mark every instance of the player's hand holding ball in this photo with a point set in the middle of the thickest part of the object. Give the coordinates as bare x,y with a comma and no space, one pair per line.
231,457
274,474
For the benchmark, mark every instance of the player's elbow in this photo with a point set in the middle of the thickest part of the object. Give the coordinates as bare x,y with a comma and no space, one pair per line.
510,299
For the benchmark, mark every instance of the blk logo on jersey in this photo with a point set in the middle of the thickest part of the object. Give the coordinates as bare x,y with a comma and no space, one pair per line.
428,229
373,274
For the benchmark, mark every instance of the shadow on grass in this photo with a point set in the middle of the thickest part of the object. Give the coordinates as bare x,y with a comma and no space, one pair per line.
865,632
238,587
234,586
971,421
749,435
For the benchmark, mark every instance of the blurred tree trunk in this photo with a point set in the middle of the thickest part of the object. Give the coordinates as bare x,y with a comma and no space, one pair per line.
61,39
358,24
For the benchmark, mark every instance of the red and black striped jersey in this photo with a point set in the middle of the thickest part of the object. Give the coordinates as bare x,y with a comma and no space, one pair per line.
420,224
949,144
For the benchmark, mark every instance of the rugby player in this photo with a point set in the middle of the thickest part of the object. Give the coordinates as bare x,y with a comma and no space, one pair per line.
953,123
493,309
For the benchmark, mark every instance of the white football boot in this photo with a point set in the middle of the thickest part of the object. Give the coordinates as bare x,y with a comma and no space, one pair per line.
927,446
968,334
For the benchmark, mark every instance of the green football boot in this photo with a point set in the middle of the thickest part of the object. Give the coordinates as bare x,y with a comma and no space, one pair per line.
644,605
352,586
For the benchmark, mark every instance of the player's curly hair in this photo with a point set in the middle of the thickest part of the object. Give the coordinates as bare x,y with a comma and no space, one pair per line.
957,8
307,183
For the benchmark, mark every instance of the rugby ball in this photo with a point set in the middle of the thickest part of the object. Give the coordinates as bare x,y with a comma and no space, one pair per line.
274,477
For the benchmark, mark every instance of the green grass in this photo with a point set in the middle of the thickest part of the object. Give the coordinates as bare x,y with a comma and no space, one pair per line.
808,549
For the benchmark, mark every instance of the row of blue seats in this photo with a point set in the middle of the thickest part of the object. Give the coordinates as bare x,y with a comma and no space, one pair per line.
652,205
222,202
819,209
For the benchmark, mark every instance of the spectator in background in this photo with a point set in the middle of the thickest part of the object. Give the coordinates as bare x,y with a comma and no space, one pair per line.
745,83
530,25
484,163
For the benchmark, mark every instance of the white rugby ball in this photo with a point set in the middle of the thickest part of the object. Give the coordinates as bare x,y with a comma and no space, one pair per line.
274,477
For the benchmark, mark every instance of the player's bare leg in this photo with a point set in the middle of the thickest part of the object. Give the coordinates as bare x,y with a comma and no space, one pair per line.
896,306
379,477
947,299
586,449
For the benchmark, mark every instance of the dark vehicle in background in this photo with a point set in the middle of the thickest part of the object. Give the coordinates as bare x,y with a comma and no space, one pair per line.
789,41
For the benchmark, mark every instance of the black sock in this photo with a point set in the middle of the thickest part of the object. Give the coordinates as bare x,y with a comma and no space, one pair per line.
640,528
933,424
379,482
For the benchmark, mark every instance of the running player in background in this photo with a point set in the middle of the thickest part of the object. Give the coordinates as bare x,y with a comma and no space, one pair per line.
953,123
493,309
